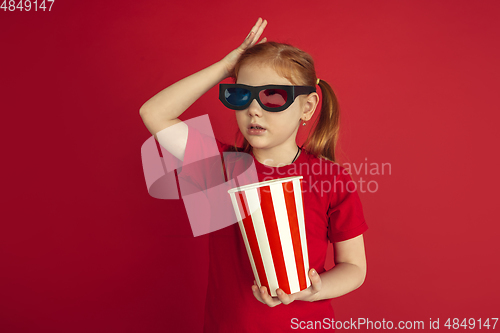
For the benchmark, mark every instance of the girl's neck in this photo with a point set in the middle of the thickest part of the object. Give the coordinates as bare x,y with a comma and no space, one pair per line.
277,156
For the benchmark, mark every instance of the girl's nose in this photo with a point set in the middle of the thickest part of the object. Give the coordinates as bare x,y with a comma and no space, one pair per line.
254,108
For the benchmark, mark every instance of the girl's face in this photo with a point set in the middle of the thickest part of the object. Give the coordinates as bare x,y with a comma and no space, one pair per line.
280,127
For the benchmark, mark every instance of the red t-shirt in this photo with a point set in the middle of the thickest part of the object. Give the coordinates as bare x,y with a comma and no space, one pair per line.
332,211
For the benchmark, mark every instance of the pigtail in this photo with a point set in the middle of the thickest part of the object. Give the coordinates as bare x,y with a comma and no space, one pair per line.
323,141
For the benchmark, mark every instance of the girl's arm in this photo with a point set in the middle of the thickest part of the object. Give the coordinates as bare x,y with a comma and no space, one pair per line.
347,275
163,109
172,101
349,271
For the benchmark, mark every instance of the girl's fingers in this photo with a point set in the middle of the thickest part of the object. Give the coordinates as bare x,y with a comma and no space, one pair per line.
256,293
263,40
255,33
257,25
315,281
248,40
284,297
259,31
272,302
254,29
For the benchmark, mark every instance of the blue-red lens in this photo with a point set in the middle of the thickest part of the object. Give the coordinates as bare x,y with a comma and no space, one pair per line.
237,96
273,98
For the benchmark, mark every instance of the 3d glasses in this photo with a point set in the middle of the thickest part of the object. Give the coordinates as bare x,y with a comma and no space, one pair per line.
273,98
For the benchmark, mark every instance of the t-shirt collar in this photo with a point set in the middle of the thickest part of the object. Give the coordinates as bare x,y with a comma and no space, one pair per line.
262,168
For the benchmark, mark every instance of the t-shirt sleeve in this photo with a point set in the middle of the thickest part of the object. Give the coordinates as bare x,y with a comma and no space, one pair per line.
202,158
345,213
200,145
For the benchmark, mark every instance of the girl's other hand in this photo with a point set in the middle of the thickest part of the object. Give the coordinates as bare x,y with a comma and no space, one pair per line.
232,58
310,294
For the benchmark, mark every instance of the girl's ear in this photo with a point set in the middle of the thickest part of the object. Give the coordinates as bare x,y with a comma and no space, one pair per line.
310,105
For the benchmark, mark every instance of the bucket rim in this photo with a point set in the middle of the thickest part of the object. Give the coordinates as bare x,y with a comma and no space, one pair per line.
261,184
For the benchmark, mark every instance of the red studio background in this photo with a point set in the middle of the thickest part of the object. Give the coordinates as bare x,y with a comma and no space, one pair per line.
84,248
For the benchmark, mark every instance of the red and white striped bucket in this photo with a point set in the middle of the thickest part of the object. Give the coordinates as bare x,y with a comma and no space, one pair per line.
271,219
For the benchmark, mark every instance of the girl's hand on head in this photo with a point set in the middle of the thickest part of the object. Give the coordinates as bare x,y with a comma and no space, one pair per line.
232,58
310,294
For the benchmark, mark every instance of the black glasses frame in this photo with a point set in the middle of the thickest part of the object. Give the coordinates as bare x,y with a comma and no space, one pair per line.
291,91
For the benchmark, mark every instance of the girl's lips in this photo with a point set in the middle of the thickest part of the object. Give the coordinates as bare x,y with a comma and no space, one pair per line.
255,126
254,131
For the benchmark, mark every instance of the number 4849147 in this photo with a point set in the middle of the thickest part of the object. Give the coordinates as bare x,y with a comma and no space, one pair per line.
455,323
27,5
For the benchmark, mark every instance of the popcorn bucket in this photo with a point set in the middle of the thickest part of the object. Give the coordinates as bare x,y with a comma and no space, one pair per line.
271,219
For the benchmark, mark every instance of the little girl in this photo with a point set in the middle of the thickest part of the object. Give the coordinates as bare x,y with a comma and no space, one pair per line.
269,119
